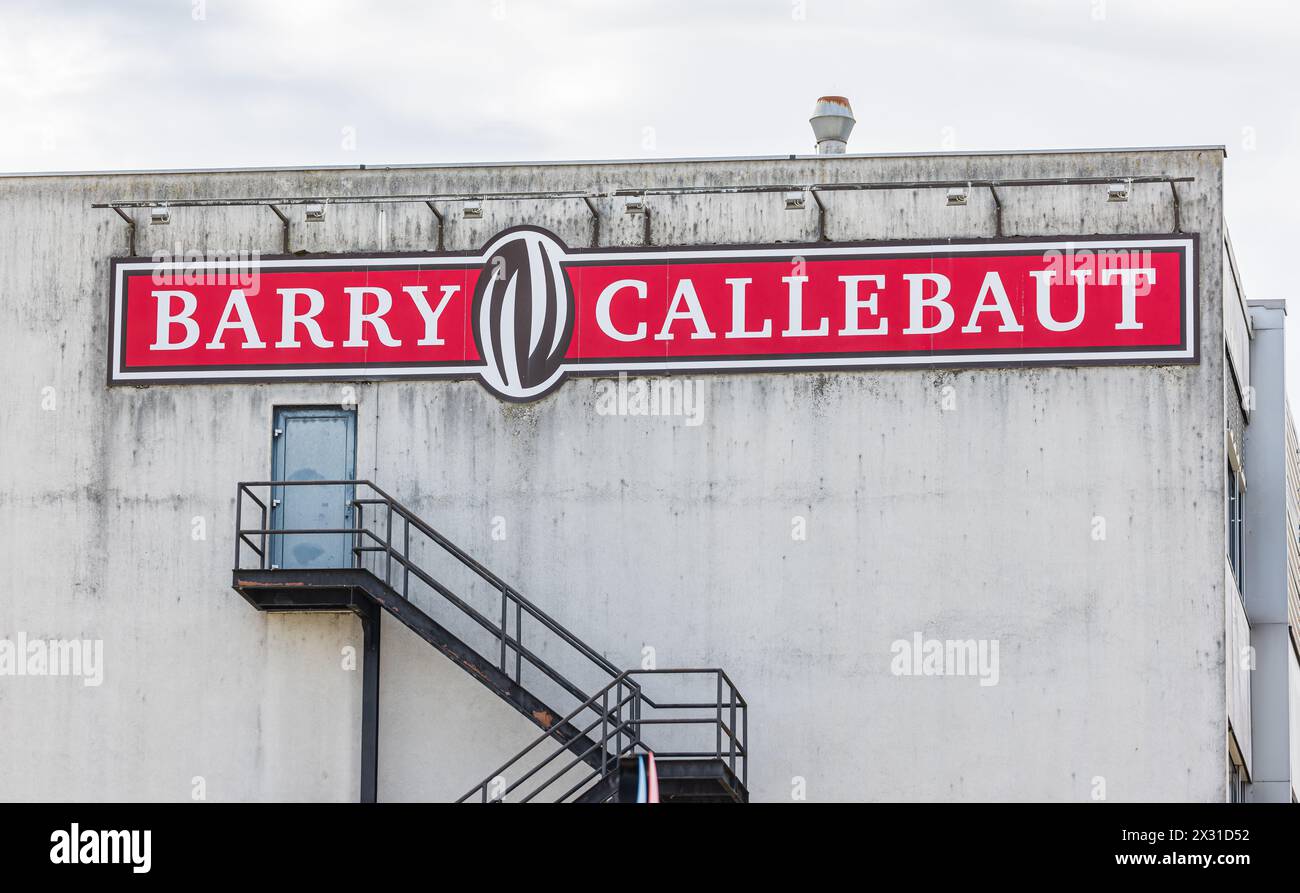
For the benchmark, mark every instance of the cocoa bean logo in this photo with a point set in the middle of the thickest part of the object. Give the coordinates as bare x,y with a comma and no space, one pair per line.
523,314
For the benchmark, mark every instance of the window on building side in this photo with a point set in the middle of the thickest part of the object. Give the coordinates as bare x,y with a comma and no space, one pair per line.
1238,777
1236,514
1236,782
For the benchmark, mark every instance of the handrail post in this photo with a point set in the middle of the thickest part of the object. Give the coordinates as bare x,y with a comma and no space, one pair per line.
636,712
239,526
731,726
266,525
388,547
519,642
269,564
356,537
406,553
719,745
604,732
618,726
744,766
503,629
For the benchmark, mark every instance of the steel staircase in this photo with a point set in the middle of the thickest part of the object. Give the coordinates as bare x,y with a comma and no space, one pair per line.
596,719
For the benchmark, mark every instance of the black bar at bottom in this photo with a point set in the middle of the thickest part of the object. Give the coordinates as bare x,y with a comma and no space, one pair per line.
226,840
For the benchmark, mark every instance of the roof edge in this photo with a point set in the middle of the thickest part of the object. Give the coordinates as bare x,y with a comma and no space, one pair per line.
603,161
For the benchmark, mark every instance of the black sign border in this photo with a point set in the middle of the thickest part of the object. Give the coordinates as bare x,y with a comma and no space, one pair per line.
751,362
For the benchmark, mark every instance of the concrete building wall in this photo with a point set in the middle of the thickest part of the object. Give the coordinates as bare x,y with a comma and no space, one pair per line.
975,522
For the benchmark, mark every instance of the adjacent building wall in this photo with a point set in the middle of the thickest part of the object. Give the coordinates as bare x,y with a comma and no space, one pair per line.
1265,593
1236,328
1293,528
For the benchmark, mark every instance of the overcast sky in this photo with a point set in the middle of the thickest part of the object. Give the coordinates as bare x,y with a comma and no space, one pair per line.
188,83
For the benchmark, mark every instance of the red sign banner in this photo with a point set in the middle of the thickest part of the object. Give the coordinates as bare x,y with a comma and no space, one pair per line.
527,311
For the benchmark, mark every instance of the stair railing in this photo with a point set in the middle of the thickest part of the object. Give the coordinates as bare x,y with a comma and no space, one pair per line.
622,712
391,560
619,707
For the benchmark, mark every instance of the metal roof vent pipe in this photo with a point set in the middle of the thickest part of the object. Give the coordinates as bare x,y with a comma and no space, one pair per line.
832,121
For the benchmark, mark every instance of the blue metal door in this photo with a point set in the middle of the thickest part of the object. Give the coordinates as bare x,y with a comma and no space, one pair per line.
313,444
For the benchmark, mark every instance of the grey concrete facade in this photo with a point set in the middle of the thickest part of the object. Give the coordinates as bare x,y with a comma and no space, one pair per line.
972,518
